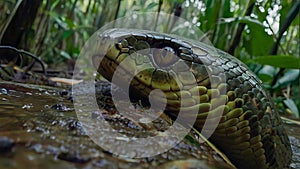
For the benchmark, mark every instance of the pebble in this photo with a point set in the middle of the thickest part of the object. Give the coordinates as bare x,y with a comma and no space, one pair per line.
73,157
6,144
60,107
63,92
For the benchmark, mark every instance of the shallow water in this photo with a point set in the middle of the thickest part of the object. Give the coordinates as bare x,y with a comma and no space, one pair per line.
39,129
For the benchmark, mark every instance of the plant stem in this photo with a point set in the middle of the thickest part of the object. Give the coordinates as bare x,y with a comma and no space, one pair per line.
240,29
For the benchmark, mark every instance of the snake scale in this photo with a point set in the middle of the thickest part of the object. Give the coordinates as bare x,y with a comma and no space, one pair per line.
250,131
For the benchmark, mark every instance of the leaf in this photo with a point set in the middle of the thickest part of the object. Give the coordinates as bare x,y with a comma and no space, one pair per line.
267,73
151,5
259,41
211,14
289,77
226,9
67,33
53,5
292,106
65,54
245,19
285,7
70,23
261,14
289,62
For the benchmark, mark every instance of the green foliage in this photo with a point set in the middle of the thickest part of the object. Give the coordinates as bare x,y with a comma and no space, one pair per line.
288,77
289,62
253,37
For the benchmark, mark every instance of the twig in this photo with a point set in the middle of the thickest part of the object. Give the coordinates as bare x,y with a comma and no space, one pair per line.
225,158
290,120
20,51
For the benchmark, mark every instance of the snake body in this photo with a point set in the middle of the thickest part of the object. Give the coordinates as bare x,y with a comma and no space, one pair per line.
250,131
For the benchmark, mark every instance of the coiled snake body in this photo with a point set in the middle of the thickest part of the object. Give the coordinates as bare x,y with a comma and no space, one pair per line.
250,131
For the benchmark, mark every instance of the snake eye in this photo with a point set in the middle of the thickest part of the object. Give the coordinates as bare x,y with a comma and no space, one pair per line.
164,57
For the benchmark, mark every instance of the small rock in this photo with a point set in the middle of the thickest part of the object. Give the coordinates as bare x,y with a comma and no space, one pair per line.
73,157
3,91
74,124
63,92
6,144
60,107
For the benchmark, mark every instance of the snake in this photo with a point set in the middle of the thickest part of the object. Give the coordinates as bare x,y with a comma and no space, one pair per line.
195,76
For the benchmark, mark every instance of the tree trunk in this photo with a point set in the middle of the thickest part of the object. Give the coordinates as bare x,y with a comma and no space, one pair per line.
14,32
20,23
